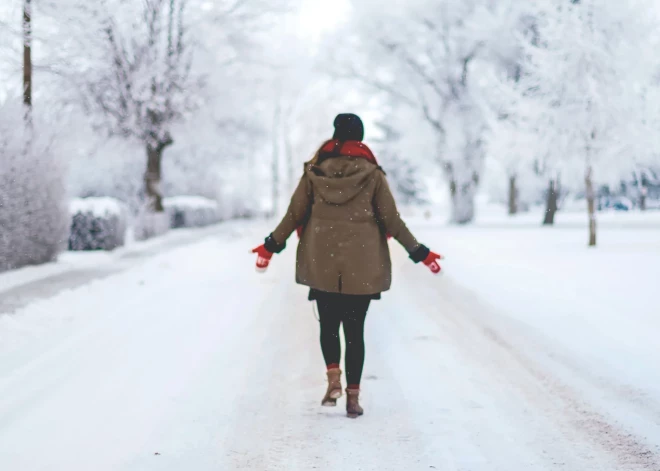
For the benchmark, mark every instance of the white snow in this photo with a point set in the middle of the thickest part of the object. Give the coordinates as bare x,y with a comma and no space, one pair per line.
195,202
531,352
195,211
98,206
595,312
72,261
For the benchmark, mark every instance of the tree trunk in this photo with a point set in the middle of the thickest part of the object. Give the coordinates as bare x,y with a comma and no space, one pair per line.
513,195
641,188
463,196
642,199
591,206
152,177
551,204
27,55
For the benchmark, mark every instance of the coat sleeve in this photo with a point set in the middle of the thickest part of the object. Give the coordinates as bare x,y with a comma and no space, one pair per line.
298,212
388,216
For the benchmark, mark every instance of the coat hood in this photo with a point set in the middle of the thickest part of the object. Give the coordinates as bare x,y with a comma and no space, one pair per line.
338,180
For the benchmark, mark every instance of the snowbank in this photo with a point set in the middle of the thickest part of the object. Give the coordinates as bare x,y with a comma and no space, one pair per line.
600,304
573,215
148,225
191,201
99,207
97,224
191,211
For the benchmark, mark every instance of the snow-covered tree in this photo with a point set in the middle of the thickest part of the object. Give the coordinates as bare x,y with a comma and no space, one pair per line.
429,54
145,84
402,173
172,75
33,214
578,85
510,141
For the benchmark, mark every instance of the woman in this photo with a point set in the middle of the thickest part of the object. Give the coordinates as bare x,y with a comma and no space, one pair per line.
344,212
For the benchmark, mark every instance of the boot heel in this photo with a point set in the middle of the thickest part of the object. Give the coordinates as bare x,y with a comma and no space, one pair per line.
353,408
334,391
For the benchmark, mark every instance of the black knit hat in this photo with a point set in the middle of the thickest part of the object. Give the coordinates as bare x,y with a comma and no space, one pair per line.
348,127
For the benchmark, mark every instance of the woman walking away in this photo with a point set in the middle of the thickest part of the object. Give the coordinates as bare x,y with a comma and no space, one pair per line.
344,213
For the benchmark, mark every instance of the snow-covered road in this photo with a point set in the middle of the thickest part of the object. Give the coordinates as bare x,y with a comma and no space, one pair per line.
191,361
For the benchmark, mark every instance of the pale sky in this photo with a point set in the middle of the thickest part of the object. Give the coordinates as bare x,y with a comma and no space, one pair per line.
319,16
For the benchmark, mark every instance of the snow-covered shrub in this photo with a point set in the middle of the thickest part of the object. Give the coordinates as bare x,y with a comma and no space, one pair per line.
33,216
97,224
237,204
191,211
147,225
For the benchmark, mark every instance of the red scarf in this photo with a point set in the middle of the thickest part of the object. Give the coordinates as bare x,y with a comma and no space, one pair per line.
335,148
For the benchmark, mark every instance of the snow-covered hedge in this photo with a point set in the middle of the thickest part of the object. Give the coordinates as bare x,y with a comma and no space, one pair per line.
33,216
192,211
97,224
148,225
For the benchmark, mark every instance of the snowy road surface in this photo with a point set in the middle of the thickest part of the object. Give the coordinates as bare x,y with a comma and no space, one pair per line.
191,361
21,287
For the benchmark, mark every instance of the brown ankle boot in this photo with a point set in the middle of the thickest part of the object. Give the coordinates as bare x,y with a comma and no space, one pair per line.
353,409
334,388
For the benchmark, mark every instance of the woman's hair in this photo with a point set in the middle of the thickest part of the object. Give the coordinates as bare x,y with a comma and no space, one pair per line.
317,154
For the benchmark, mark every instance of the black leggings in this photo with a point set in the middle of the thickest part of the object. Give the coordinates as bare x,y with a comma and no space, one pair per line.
335,309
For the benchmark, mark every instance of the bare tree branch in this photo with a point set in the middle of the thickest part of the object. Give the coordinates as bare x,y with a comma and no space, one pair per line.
415,66
370,81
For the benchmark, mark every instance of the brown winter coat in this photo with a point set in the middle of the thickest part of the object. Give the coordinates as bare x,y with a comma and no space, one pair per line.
346,208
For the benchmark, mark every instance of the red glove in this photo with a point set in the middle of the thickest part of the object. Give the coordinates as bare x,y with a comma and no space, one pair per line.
263,258
431,261
299,230
388,235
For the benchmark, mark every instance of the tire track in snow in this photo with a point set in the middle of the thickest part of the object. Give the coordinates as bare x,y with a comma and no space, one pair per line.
627,449
630,452
459,412
280,424
444,388
643,403
266,412
112,381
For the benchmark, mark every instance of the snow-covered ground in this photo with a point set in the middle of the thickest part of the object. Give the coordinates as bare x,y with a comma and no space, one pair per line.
531,352
20,287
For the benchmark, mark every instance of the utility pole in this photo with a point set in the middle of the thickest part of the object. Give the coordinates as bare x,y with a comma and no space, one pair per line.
27,59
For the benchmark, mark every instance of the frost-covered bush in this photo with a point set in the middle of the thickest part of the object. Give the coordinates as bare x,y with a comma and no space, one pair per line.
33,216
97,224
191,211
147,225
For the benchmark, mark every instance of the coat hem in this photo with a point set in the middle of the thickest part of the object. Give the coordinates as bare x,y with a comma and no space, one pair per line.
315,294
